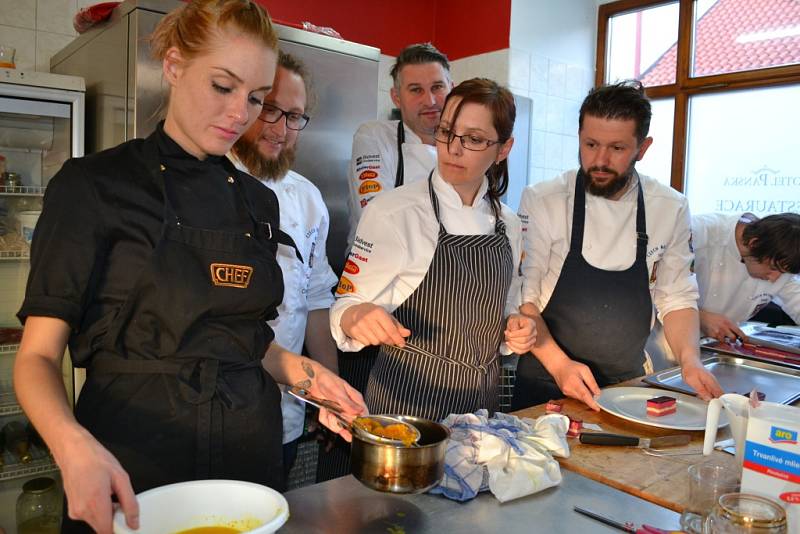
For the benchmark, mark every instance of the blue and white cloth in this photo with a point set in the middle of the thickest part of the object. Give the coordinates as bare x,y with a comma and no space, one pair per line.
509,456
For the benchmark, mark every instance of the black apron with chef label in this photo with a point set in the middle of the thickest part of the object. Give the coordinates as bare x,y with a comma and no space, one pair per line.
451,361
599,318
208,409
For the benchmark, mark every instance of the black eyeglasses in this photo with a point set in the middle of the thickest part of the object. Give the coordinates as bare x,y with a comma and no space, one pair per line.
294,120
472,142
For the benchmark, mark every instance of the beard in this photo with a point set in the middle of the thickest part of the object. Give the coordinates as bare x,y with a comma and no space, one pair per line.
618,182
261,167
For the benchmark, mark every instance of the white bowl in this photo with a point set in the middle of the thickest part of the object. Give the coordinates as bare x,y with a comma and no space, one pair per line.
169,509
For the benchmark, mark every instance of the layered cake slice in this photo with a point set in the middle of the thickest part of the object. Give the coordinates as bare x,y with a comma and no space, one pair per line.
661,406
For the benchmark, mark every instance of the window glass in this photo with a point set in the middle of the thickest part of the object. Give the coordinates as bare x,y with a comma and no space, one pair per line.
641,45
657,162
740,35
742,151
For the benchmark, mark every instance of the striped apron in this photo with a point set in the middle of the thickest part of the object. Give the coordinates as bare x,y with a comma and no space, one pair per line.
451,362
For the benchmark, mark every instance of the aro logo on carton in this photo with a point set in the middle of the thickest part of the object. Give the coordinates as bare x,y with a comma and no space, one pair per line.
782,435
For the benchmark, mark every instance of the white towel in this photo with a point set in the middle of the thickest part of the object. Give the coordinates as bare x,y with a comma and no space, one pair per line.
510,456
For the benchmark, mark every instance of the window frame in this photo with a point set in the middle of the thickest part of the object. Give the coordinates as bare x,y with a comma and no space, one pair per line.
685,86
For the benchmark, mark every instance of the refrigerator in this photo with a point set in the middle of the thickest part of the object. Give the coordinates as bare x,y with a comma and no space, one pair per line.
125,96
41,126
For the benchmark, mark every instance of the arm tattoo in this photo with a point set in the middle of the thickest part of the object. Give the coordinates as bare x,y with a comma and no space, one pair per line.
308,369
303,384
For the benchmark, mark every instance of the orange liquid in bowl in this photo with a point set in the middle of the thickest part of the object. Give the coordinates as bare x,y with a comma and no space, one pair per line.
210,530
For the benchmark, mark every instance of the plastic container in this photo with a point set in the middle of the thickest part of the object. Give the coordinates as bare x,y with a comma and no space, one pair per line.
7,54
27,224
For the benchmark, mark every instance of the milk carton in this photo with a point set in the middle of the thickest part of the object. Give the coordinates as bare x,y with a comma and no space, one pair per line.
771,465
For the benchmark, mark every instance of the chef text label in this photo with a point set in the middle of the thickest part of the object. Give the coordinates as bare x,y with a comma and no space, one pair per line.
231,275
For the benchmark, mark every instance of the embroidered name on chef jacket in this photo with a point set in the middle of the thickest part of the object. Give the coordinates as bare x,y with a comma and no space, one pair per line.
231,275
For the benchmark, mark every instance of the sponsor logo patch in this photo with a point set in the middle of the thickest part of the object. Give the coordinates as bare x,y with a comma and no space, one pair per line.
231,275
782,435
345,286
367,175
370,186
351,267
364,202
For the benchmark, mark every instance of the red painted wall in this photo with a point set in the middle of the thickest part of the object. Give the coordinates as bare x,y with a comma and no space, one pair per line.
458,28
469,27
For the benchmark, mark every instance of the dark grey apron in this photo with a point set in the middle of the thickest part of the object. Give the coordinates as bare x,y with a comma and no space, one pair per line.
599,318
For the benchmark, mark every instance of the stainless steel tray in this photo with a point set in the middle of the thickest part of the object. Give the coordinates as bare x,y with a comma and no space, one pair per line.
779,383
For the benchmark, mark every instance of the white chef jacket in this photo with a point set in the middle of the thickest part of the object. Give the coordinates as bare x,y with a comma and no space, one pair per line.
395,243
308,284
373,165
725,286
609,241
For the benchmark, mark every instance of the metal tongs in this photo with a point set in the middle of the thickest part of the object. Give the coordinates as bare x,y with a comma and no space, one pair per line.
353,425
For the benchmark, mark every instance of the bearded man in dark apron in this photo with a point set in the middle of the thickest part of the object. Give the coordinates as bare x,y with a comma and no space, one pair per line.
604,245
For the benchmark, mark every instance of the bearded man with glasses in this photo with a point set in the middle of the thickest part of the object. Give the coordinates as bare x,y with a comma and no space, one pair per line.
267,151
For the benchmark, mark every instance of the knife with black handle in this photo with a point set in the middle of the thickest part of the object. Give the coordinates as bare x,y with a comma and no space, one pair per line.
602,438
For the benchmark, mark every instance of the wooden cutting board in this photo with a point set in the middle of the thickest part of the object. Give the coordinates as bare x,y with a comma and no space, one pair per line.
661,480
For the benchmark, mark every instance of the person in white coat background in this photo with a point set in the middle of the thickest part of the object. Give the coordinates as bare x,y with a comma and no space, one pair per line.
432,277
389,153
267,151
742,264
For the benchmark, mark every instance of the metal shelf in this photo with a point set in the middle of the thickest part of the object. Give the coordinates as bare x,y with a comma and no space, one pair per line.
42,463
22,191
9,405
15,255
12,348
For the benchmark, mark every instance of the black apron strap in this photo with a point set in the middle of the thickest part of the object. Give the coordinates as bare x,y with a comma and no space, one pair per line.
401,138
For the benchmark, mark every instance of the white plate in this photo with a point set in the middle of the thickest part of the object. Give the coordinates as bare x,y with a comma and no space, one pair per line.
631,403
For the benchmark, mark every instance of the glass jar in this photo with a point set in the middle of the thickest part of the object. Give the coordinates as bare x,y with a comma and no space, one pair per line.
39,507
742,513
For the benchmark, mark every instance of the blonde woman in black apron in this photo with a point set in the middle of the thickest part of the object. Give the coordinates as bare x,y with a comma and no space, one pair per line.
432,275
154,262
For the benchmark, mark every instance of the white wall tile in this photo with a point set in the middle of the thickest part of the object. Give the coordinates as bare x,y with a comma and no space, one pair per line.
56,16
536,175
576,88
48,44
24,41
553,151
85,3
498,66
569,156
537,148
539,113
539,71
572,110
554,114
459,68
384,66
556,78
19,13
519,70
385,104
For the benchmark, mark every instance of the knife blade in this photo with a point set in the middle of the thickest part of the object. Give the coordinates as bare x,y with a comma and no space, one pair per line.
625,527
603,438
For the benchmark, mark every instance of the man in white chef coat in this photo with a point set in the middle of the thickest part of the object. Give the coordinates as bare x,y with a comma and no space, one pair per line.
603,246
389,153
267,151
743,263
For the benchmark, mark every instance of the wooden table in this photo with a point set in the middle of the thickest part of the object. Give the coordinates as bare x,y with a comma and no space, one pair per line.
661,480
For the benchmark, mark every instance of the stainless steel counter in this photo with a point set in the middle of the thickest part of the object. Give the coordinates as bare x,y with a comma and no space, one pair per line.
343,505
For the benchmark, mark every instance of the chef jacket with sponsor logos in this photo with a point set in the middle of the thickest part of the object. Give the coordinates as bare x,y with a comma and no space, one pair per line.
610,239
725,287
396,241
308,284
373,166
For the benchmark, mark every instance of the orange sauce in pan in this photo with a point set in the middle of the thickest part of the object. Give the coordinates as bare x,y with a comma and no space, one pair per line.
396,431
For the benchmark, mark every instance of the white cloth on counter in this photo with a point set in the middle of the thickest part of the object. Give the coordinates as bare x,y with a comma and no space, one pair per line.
610,238
395,243
725,285
509,456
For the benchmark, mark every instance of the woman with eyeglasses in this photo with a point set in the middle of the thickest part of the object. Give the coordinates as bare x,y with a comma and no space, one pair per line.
154,262
432,276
